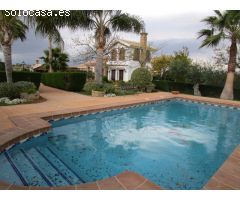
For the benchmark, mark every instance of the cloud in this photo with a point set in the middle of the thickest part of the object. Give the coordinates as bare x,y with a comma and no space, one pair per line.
28,50
169,46
173,30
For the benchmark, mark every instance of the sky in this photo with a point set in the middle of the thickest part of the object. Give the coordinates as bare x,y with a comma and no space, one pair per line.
167,31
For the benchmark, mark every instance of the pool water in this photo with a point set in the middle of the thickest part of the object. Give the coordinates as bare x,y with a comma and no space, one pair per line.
176,144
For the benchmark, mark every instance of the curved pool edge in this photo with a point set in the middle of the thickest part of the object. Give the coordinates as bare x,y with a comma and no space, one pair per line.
126,180
28,126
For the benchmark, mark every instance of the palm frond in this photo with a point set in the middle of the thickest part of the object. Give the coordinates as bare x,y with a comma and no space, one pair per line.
205,32
127,23
13,26
218,13
212,40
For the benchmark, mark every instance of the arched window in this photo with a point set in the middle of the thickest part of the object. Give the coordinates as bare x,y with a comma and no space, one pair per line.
114,55
136,54
122,54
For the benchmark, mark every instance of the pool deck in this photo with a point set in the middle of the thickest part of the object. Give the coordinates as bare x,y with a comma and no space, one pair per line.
23,121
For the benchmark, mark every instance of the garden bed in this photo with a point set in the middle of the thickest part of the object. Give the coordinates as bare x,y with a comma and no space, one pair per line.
40,100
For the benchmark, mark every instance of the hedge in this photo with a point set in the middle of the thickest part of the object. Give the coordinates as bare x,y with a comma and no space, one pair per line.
72,81
34,77
170,86
206,90
215,91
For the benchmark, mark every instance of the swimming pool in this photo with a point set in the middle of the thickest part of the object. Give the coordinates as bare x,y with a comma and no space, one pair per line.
176,144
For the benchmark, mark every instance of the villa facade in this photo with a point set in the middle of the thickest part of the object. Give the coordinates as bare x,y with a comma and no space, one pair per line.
126,56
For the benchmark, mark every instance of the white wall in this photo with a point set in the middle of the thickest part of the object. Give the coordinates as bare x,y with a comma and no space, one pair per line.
128,65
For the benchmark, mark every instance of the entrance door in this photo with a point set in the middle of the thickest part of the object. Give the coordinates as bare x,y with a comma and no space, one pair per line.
113,76
121,75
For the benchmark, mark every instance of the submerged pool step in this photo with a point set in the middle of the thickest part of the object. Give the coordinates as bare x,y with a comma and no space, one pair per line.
35,166
45,168
57,166
15,168
41,166
25,169
53,152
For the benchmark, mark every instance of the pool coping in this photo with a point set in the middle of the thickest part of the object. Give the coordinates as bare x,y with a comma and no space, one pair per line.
32,125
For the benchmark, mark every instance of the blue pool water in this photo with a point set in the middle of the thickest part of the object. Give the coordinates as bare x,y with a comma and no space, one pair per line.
176,144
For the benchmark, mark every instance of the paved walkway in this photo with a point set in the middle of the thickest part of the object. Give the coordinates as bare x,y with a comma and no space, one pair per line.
62,100
22,121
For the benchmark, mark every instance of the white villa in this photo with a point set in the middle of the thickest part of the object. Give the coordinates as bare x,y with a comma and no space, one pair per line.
126,56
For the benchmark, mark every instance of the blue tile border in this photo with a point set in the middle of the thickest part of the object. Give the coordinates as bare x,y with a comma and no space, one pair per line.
144,104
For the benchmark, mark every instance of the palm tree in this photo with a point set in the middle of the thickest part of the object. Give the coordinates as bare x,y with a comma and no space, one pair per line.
59,59
49,26
224,25
11,28
104,22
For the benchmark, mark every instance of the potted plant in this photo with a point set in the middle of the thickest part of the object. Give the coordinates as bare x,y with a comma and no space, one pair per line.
96,93
98,90
150,87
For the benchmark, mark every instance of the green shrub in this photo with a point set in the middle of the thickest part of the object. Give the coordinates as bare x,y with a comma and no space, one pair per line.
109,88
141,77
89,86
215,91
72,81
33,77
187,88
106,87
169,86
105,79
26,87
125,92
126,85
9,90
162,85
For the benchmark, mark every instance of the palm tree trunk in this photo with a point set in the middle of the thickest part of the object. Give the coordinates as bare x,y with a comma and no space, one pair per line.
7,53
227,92
99,66
50,53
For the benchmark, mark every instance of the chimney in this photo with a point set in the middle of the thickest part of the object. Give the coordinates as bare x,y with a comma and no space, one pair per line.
143,40
37,61
143,46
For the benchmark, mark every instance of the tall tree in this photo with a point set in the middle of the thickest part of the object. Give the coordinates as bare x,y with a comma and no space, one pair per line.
104,22
161,64
11,28
224,26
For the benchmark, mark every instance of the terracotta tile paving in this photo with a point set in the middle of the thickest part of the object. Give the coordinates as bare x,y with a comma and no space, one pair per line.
22,121
110,184
228,176
87,186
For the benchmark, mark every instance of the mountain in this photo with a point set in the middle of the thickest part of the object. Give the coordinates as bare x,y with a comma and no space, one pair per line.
169,46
